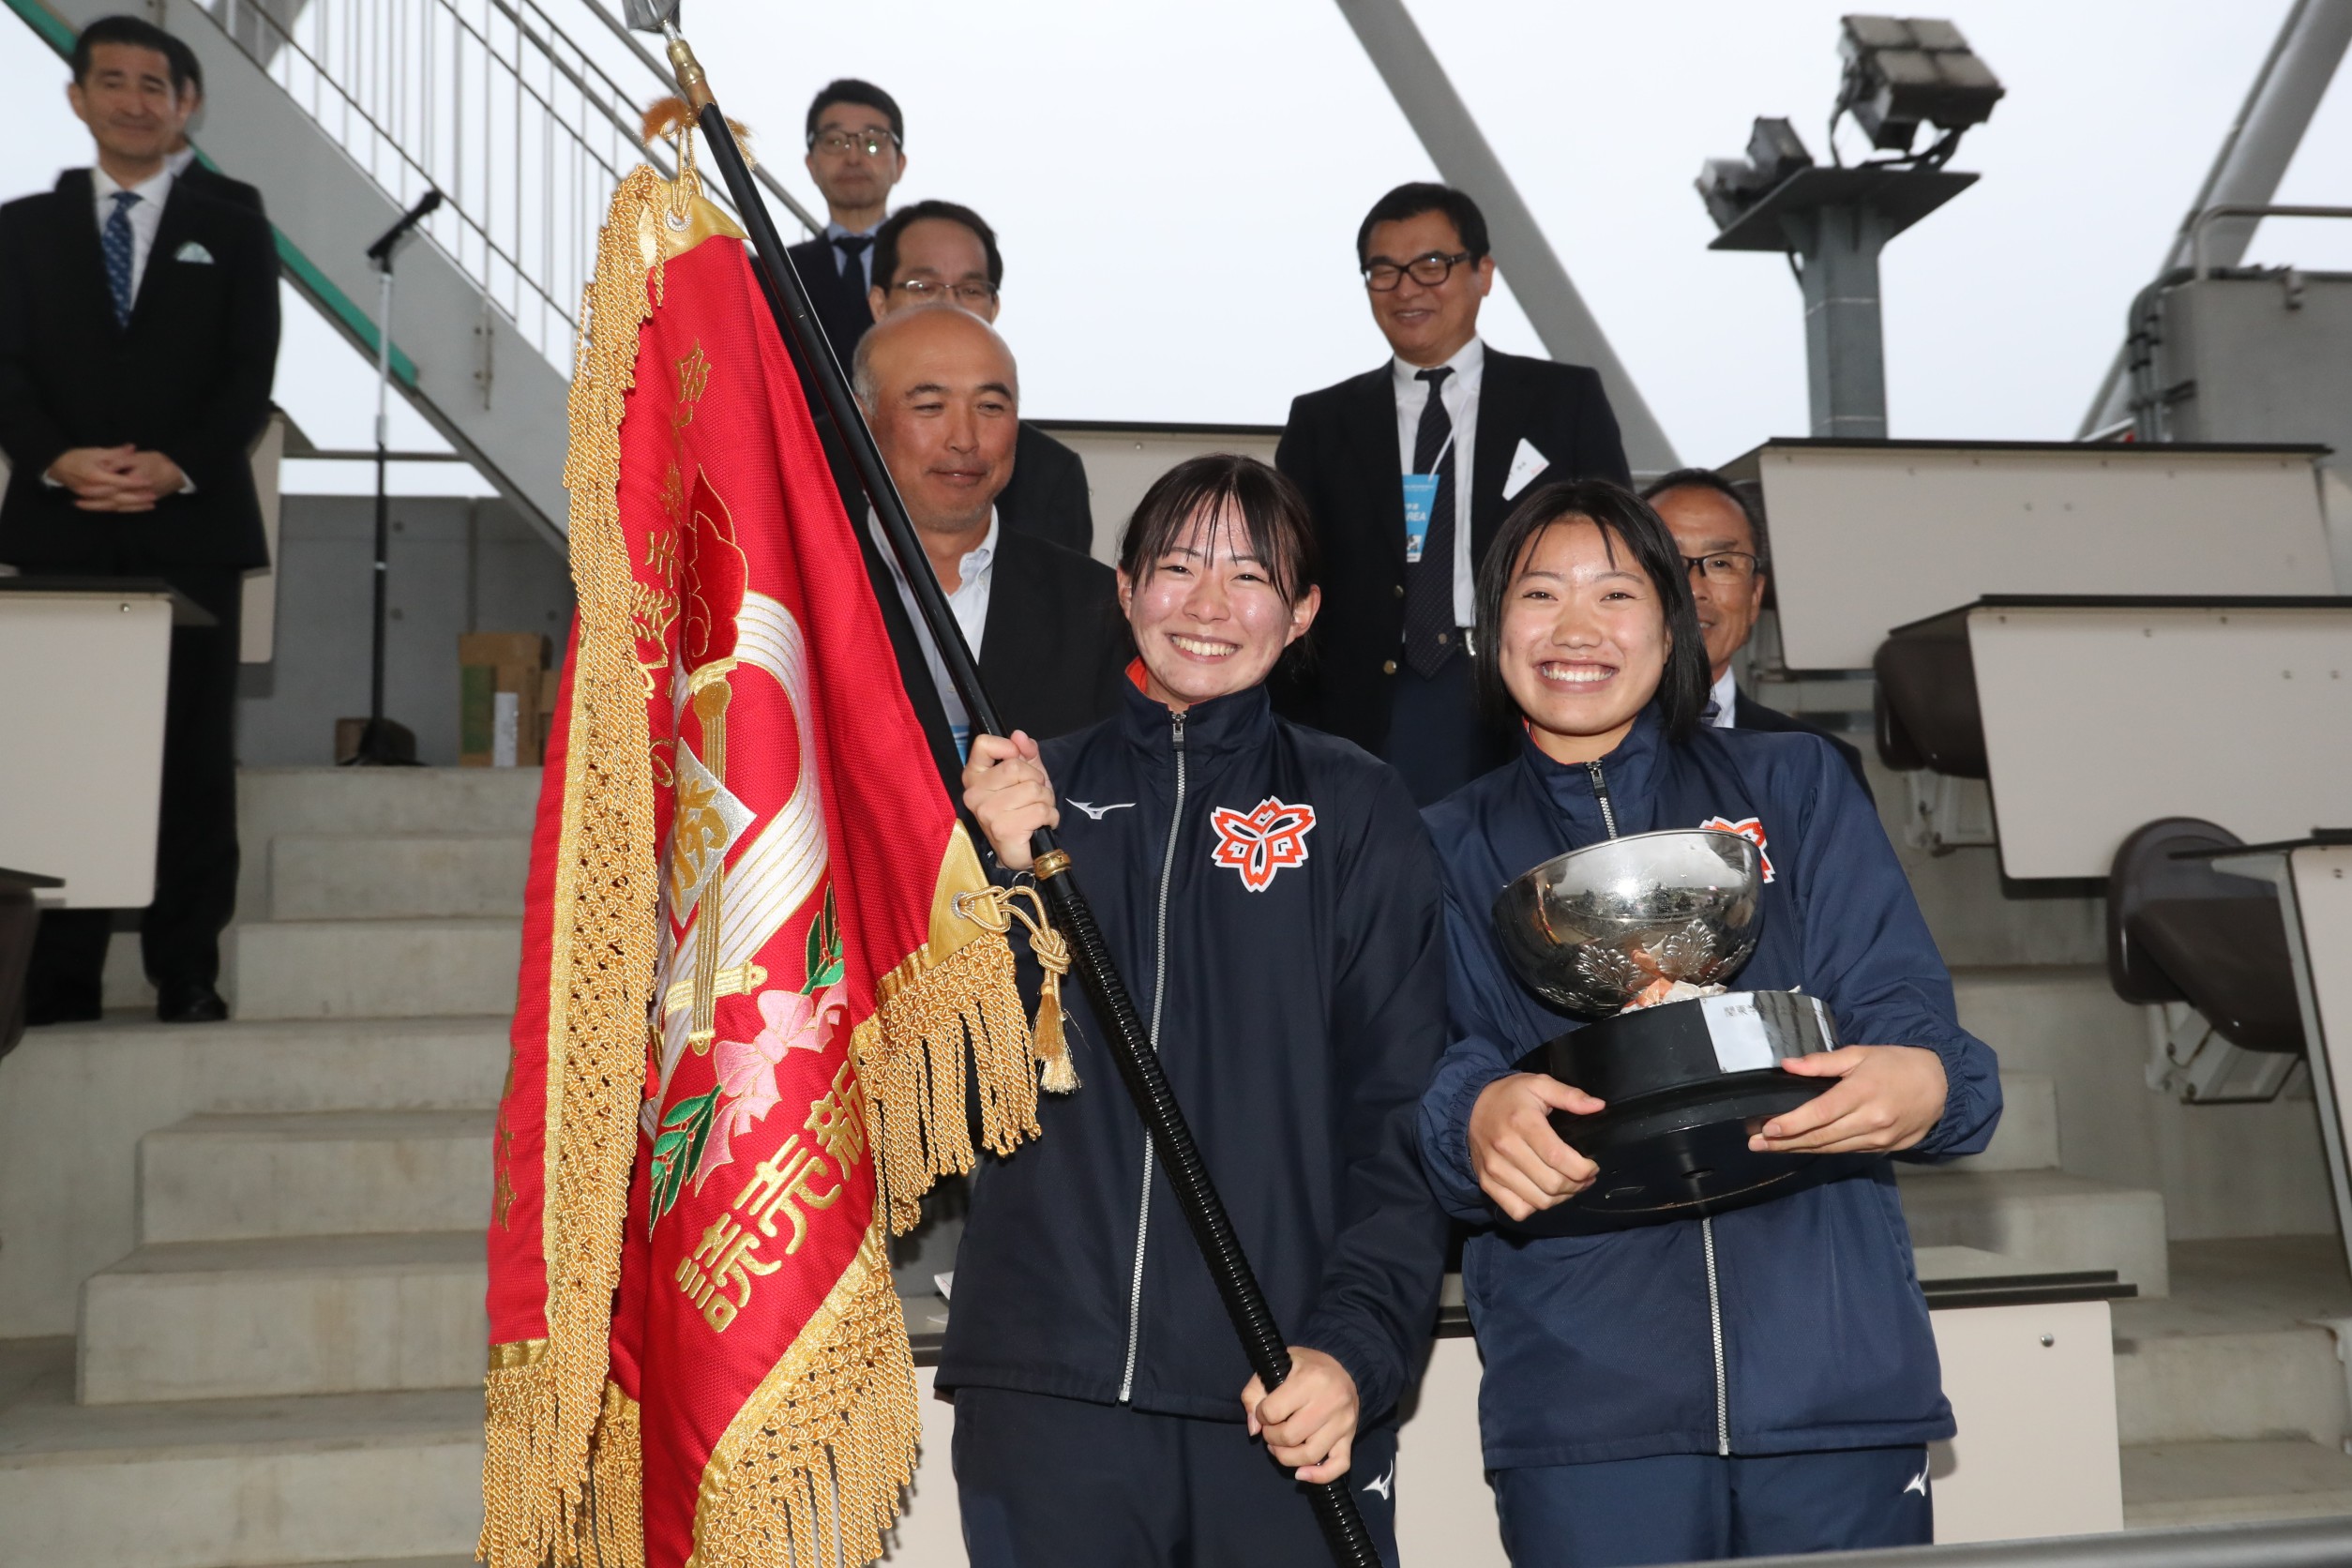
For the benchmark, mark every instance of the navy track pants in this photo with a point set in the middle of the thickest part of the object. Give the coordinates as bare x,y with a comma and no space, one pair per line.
1696,1507
1046,1482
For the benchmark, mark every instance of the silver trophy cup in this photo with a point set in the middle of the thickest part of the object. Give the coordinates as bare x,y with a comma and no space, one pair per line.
1687,1082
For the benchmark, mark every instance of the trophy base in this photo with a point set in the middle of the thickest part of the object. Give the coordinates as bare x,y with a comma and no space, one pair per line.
1688,1083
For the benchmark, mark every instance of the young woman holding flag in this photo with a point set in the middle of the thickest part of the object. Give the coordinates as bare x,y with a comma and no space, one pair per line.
1272,902
1765,1380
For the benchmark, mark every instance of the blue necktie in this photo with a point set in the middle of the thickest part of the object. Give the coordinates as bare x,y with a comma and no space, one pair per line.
115,241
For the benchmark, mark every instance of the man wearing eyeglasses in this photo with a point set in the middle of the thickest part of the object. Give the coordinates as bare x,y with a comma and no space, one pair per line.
1408,470
856,155
1721,536
938,252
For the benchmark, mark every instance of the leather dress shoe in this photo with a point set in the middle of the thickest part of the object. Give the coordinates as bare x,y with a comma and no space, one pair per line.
190,1004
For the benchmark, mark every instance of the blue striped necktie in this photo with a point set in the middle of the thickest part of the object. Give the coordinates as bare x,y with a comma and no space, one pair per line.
116,243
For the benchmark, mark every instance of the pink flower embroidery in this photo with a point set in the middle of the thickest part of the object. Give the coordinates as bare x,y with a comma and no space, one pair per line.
747,1068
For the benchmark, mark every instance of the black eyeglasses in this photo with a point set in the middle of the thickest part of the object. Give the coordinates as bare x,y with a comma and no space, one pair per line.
971,291
1428,271
1723,565
838,142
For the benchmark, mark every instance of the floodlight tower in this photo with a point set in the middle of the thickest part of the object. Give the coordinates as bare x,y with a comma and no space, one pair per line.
1900,74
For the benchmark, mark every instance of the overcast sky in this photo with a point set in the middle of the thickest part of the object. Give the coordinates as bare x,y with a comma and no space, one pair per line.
1178,186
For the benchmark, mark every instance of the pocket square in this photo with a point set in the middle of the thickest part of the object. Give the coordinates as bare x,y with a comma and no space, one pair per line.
192,251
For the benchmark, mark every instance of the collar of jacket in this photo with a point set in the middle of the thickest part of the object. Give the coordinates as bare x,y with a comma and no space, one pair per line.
1633,769
1240,722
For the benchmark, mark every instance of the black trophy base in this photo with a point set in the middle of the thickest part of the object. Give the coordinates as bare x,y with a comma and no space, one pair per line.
1687,1083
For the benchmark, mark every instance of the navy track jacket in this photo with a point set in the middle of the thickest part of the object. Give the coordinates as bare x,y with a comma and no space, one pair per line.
1271,899
1793,1326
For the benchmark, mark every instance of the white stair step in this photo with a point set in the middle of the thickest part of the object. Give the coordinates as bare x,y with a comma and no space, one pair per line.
396,876
293,1316
2233,1482
331,1173
342,1479
2042,1216
373,969
387,800
2241,1349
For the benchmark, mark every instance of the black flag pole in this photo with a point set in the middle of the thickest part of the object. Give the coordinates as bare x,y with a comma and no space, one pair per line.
1130,1046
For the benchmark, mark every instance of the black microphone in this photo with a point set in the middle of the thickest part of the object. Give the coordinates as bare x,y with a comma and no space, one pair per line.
381,252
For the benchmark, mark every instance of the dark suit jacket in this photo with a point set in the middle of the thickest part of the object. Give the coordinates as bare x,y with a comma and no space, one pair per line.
836,295
1340,448
189,377
220,186
1749,714
1055,649
1048,497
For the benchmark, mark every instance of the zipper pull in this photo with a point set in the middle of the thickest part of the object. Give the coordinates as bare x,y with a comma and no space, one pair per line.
1600,794
1176,728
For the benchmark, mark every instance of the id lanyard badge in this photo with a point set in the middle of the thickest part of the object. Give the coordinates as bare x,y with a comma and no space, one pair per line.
1420,504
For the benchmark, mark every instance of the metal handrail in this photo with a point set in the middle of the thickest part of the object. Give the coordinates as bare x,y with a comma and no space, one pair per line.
2204,220
492,103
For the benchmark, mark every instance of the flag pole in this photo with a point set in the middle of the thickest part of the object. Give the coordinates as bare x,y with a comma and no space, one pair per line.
1130,1046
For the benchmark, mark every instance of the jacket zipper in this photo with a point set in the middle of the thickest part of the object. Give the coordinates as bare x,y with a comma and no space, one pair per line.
1714,1318
1159,995
1706,1224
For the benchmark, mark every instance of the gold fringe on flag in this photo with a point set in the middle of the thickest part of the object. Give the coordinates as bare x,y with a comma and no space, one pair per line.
811,1468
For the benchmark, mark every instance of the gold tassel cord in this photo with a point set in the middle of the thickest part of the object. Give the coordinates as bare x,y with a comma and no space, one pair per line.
541,1416
997,908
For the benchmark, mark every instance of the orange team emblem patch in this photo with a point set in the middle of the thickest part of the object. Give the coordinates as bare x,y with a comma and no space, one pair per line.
1749,828
1261,842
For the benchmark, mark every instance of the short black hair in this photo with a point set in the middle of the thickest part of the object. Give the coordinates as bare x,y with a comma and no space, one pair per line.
139,33
185,58
849,89
1622,517
1273,512
1411,201
886,238
1739,495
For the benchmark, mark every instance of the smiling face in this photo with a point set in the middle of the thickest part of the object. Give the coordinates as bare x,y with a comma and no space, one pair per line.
942,395
1708,525
128,103
1426,326
1583,642
1207,616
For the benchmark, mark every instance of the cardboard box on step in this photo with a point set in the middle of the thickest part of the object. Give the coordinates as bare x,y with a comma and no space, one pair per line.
500,675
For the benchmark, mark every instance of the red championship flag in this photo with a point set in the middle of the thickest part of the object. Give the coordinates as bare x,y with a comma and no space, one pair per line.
761,967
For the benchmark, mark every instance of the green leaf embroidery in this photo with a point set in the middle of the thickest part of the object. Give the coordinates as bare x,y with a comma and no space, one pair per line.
824,962
677,1151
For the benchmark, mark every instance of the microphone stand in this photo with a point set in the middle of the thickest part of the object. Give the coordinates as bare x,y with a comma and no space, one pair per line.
384,743
1130,1046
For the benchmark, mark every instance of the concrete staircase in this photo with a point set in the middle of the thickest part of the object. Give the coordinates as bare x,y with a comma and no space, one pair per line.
280,1361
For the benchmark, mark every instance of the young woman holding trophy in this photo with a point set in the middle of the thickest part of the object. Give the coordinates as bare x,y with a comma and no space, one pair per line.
1734,1371
1270,894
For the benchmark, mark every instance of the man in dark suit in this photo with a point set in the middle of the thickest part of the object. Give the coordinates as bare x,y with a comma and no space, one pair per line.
1721,535
856,154
942,392
186,166
937,250
138,335
1408,470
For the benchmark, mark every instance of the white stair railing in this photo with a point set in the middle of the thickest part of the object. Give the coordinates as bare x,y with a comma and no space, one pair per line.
523,131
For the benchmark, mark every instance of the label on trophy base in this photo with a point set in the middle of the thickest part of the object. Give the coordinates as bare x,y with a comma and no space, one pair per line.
1737,1031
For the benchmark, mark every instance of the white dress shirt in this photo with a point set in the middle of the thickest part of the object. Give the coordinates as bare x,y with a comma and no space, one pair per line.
1727,696
147,213
178,163
1460,392
865,257
975,574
